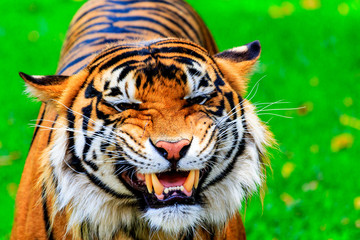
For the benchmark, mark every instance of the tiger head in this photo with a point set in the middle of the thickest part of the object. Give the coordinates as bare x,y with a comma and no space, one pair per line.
153,135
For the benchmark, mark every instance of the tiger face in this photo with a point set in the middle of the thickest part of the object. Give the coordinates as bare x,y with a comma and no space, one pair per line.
153,135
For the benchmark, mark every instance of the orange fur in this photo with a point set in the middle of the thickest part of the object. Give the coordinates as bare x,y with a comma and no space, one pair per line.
36,196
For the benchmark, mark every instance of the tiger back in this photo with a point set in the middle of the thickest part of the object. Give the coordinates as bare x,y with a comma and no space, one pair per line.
143,133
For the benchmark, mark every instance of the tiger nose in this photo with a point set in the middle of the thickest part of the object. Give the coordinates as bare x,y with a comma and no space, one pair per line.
173,150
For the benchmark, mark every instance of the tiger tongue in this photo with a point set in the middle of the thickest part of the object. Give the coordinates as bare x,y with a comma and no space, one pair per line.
172,180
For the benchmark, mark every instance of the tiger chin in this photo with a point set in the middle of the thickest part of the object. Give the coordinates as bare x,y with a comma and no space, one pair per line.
144,132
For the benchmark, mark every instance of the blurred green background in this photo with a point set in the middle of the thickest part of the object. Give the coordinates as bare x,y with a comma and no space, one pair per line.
310,59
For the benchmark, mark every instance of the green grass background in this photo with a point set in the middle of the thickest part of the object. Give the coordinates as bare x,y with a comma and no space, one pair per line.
310,58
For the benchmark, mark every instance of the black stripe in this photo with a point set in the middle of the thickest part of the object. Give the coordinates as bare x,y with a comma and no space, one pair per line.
170,12
108,27
38,125
181,42
75,162
219,82
184,60
241,148
52,129
230,99
74,51
46,215
86,111
176,24
72,63
124,72
103,55
91,10
176,49
115,19
219,109
189,235
90,91
147,29
121,57
106,189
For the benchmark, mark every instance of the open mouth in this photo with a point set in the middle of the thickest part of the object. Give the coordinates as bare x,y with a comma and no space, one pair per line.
166,188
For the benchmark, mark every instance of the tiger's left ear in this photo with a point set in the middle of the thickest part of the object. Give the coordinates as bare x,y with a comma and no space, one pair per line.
45,88
237,63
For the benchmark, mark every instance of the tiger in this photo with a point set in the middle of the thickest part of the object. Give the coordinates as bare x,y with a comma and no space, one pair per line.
143,132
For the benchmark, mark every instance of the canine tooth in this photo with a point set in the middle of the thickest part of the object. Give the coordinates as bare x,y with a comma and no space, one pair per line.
148,182
158,187
182,188
166,190
197,175
189,183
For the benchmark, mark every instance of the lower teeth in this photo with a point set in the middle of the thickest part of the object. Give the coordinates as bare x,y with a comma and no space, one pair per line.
167,190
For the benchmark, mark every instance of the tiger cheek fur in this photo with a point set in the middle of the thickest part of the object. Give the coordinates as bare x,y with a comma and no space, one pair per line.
148,135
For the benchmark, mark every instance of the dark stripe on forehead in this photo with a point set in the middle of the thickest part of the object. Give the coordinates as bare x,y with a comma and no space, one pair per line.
194,72
125,71
180,50
184,60
180,43
146,51
122,57
171,72
109,52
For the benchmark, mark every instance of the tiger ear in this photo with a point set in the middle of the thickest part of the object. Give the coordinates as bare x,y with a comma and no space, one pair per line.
237,63
45,88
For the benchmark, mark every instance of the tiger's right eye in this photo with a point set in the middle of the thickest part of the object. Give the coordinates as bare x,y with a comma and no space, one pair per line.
125,106
198,100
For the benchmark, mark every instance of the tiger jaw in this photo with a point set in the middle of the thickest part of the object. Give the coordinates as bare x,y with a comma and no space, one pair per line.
166,188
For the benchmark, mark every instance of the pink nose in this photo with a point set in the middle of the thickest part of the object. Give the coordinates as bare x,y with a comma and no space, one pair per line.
173,150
